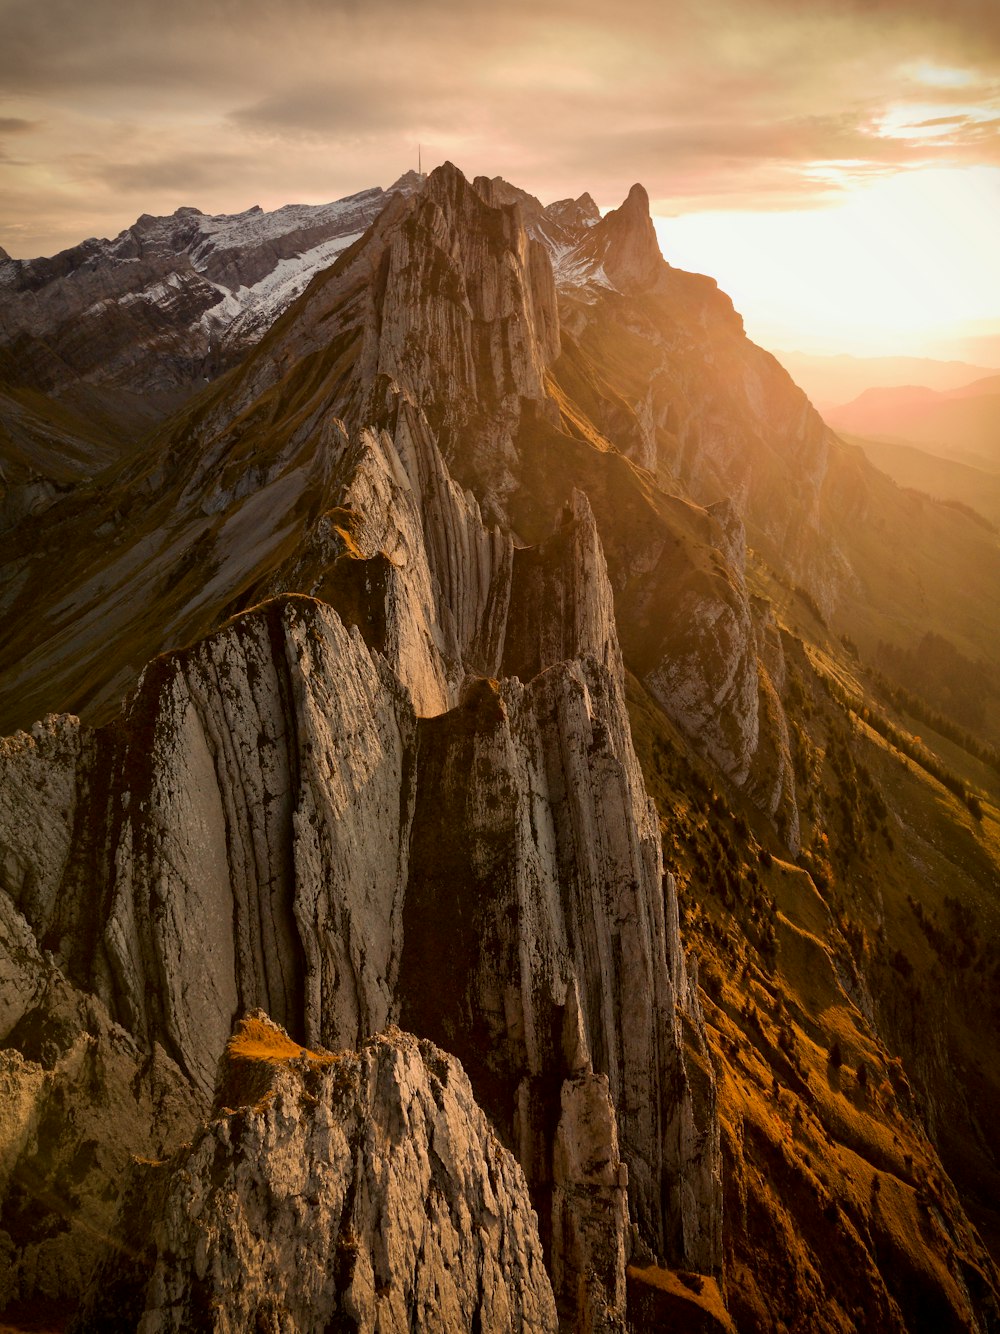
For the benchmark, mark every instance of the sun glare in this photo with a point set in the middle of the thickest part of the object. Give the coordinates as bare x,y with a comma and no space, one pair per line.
932,120
900,265
940,76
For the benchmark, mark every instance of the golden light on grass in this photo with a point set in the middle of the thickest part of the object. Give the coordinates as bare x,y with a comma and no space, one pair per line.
257,1040
251,1060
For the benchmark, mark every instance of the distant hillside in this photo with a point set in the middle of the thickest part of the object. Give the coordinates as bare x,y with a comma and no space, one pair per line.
831,381
945,479
961,424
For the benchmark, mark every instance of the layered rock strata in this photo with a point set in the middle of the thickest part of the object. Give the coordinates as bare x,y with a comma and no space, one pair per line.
270,824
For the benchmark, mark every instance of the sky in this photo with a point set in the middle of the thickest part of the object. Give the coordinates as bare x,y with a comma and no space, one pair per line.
835,164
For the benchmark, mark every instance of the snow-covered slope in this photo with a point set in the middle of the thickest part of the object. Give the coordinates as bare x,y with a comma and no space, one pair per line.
170,301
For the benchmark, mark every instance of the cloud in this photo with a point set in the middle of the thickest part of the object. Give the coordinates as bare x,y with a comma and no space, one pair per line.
327,110
180,175
740,103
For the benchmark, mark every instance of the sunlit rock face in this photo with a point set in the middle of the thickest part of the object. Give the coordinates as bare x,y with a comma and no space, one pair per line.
624,244
361,1190
216,816
271,824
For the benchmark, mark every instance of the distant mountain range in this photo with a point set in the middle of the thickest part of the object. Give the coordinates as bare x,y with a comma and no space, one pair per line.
831,381
946,479
169,302
961,424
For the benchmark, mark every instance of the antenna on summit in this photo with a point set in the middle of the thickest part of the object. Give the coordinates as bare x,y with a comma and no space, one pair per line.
420,166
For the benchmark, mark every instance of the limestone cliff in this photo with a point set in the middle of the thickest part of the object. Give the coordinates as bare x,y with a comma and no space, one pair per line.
352,1190
224,823
265,826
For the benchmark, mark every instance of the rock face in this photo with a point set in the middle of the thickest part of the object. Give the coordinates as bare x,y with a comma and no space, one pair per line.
556,906
708,658
78,1096
271,824
216,817
624,244
352,1191
589,1206
452,300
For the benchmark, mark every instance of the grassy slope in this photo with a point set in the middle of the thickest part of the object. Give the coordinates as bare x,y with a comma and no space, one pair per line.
832,1187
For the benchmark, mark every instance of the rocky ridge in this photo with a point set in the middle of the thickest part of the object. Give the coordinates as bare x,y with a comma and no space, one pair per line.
339,525
218,895
376,1170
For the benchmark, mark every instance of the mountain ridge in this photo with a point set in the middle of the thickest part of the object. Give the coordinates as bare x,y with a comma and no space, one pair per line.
474,566
959,423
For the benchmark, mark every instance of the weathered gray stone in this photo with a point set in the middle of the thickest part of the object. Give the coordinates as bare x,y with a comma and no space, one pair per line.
362,1191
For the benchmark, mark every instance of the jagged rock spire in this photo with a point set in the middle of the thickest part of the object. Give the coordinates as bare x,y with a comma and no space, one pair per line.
632,257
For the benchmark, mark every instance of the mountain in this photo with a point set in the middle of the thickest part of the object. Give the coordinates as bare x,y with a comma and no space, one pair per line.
833,380
462,842
166,304
945,479
961,424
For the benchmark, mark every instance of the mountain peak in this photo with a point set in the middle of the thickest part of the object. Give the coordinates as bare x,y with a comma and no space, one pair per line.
447,171
408,183
446,182
587,205
637,200
582,212
631,252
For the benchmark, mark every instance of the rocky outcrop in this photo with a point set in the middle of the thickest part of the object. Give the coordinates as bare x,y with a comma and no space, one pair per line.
561,603
590,1232
352,1191
691,633
270,824
448,612
560,920
624,243
572,213
711,682
468,321
78,1096
219,827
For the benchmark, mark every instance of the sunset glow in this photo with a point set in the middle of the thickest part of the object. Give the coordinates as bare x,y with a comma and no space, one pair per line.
906,264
